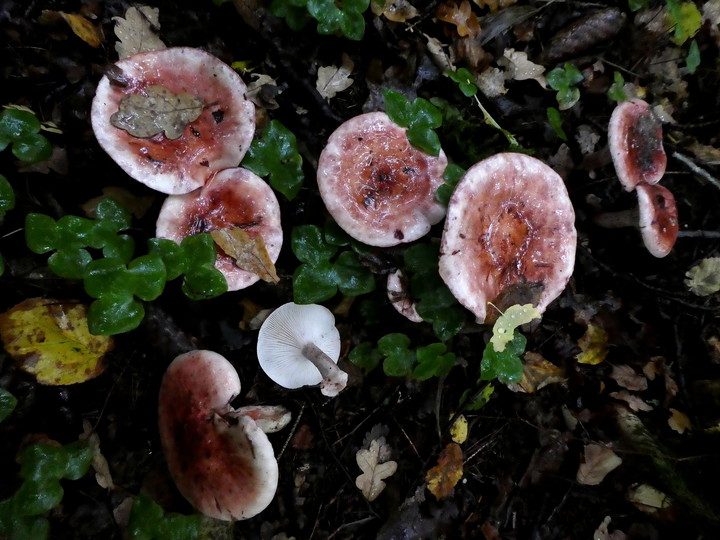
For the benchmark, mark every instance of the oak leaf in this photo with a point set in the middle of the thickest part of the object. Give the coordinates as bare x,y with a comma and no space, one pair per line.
442,479
249,252
370,482
599,461
136,32
333,79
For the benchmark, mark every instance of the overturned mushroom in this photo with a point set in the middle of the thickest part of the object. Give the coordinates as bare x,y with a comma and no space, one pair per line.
510,223
233,198
376,185
398,294
172,117
298,345
635,139
220,458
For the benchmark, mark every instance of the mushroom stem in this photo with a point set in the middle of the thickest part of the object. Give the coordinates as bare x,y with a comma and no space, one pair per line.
334,378
617,220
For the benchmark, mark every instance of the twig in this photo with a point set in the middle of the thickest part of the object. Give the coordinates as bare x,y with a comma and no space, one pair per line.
696,169
699,234
292,432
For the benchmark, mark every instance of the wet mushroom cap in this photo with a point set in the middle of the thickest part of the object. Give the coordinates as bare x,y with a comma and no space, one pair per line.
510,223
222,463
233,198
216,140
635,138
376,185
285,333
658,218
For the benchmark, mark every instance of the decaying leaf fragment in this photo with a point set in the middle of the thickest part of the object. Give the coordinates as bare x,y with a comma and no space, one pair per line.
648,499
249,252
704,278
519,68
394,10
136,32
593,345
679,421
442,479
461,15
50,339
599,461
333,79
374,469
504,327
83,29
99,463
537,373
155,111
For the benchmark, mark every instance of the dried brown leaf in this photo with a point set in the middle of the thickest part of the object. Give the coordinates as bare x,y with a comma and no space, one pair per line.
679,421
155,111
494,5
333,79
370,482
249,252
396,11
537,373
461,15
84,29
136,32
628,378
442,478
633,401
598,462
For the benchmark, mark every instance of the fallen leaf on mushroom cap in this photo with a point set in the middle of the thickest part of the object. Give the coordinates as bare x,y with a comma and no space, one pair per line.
83,29
136,32
50,339
157,110
249,252
597,463
704,279
442,479
334,79
370,482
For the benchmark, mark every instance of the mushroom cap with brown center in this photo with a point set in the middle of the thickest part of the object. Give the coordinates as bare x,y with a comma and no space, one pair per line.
222,463
233,198
510,224
376,185
635,138
216,140
659,224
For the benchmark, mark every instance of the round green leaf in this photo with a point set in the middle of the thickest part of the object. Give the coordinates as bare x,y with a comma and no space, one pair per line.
353,279
7,195
149,276
204,282
41,233
309,246
173,256
15,123
313,284
114,315
108,277
41,461
35,497
70,263
78,457
7,403
32,148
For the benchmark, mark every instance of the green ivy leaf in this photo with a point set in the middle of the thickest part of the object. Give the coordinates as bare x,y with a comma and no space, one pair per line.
203,283
314,283
41,234
109,315
173,256
447,321
16,123
35,497
148,521
41,461
399,359
108,277
148,273
616,92
7,196
505,366
419,117
556,122
293,11
70,263
200,250
433,361
452,175
563,79
276,154
77,457
365,356
353,279
465,81
112,213
309,246
8,402
32,148
120,246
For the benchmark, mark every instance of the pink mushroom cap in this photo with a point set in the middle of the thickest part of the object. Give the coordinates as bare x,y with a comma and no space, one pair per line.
376,185
510,222
233,198
218,139
635,138
220,459
658,219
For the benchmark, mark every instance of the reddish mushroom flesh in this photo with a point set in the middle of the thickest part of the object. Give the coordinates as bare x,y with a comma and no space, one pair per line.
510,222
218,138
635,139
233,198
658,219
221,462
376,185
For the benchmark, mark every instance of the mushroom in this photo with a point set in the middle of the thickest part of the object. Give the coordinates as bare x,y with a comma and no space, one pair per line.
376,185
397,292
220,458
233,198
656,215
635,139
510,223
156,90
298,345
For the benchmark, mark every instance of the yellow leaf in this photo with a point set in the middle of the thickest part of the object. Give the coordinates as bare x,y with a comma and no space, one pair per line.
593,345
83,29
50,339
249,252
504,328
442,479
679,421
459,430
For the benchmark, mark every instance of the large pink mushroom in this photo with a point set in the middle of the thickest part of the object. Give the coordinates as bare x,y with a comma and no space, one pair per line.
162,88
510,223
233,198
220,458
376,185
635,139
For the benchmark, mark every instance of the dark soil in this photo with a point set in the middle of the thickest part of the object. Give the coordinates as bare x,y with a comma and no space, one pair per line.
523,449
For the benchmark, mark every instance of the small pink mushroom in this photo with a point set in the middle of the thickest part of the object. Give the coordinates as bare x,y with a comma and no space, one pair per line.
398,294
233,198
509,223
216,140
635,139
220,458
376,185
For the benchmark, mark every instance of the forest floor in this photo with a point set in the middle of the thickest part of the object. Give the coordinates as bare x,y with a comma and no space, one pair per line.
616,432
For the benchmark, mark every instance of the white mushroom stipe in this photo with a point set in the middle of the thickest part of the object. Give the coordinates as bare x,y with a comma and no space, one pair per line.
298,345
